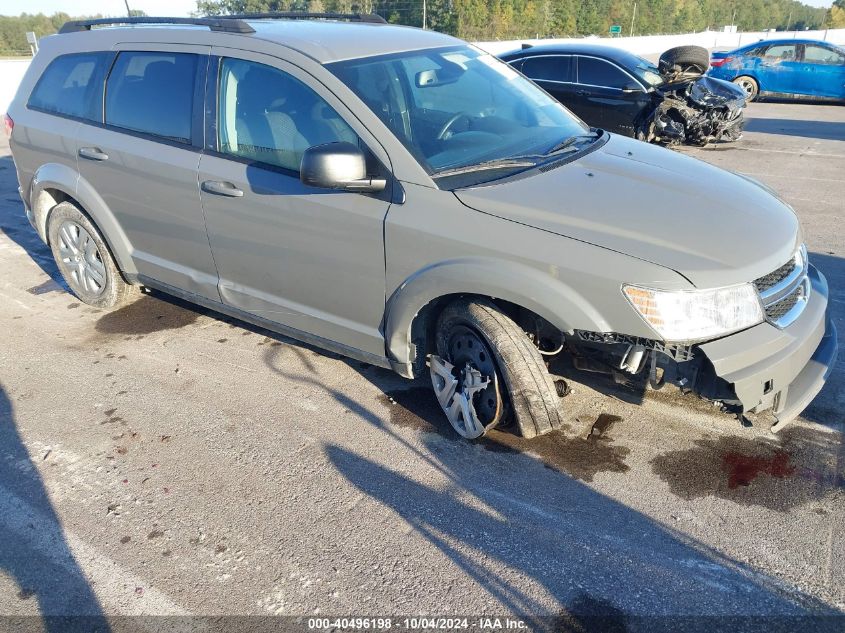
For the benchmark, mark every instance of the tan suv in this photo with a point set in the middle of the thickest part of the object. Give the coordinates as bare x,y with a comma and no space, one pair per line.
403,198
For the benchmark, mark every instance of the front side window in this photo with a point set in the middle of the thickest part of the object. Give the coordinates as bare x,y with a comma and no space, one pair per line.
549,68
458,107
597,72
266,115
72,85
822,55
153,93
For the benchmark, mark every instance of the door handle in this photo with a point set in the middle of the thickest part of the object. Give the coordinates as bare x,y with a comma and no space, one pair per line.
93,153
222,188
582,93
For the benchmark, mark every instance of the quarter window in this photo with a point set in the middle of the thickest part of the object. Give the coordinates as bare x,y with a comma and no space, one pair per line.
548,68
267,116
597,72
152,92
822,55
72,85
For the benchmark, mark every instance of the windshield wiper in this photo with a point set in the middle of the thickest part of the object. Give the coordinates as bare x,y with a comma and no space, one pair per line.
499,163
571,141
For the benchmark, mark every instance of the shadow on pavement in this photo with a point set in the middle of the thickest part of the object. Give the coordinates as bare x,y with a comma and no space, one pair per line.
828,408
601,565
828,130
34,552
14,224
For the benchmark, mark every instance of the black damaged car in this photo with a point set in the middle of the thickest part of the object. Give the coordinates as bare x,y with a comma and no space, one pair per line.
671,103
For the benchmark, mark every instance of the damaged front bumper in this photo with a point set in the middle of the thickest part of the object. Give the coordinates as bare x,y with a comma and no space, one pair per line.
696,112
763,368
779,369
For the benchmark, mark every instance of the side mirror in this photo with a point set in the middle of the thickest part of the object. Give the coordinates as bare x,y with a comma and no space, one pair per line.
338,166
631,88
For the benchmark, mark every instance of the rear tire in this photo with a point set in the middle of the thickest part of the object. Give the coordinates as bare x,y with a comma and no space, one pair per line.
684,59
750,85
521,379
84,260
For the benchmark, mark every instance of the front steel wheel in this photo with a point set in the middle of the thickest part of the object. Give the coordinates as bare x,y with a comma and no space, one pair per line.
467,385
486,371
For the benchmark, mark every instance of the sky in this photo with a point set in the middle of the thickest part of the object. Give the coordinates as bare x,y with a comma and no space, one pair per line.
152,7
90,7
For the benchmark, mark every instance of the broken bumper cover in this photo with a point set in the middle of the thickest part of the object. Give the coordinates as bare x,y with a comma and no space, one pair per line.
776,369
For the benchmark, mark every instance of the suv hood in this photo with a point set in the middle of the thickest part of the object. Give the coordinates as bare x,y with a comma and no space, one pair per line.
712,226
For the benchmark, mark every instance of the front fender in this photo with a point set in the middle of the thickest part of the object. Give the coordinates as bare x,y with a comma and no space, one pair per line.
531,288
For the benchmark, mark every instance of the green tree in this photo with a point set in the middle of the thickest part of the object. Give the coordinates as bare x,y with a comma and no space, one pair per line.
836,15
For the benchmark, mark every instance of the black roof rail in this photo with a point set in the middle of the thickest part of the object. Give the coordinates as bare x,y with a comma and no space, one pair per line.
371,18
226,24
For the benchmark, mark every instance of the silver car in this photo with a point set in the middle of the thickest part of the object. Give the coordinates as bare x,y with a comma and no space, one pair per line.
403,198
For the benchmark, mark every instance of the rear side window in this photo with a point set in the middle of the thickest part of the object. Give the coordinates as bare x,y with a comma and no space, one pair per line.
152,92
597,72
551,68
72,85
782,52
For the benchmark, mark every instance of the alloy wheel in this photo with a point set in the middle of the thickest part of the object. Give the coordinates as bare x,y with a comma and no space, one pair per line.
81,258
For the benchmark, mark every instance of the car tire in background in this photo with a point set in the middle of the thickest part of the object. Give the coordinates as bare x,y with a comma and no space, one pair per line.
750,85
84,259
486,366
684,59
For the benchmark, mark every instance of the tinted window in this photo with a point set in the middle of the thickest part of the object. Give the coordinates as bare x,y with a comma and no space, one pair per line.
783,52
266,115
822,55
71,84
152,93
553,68
597,72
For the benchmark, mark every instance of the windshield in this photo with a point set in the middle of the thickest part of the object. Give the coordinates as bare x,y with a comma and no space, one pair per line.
648,72
456,107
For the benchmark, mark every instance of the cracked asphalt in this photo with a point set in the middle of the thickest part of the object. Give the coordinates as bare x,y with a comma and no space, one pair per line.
166,460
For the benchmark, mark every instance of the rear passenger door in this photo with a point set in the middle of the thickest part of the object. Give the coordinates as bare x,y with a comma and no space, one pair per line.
310,259
780,70
69,91
142,160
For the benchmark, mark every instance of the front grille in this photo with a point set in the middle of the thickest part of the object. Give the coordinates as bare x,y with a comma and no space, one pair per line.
784,292
775,277
777,311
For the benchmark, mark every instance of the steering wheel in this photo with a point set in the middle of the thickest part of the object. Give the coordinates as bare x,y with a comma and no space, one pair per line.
444,131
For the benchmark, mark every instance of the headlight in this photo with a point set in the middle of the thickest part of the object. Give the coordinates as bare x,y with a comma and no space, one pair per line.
697,314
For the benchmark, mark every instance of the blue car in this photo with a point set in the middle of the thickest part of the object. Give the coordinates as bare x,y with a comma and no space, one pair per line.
802,69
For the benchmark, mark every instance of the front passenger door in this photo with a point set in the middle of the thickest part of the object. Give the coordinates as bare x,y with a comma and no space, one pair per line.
824,72
617,98
309,259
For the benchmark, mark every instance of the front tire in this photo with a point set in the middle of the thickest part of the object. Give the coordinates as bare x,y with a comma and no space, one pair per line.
750,85
84,260
486,369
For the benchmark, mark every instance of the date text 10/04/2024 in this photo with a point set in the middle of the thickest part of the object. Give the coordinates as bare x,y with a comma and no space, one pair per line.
422,623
